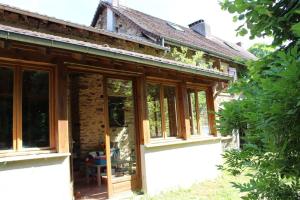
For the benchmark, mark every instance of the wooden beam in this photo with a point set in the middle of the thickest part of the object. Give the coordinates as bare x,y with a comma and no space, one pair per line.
107,140
61,87
211,111
142,109
184,112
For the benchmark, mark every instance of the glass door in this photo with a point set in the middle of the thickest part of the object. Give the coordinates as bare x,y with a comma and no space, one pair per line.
122,132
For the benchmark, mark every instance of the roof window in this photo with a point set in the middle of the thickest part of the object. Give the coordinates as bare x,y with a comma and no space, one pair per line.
231,46
175,26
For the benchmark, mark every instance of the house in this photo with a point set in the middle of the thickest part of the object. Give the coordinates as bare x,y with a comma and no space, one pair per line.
94,111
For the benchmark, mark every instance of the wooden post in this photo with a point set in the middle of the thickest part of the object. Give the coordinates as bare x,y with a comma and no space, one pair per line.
184,112
61,88
211,111
107,140
142,108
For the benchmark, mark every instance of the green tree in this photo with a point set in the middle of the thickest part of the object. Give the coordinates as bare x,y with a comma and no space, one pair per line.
196,59
268,112
261,50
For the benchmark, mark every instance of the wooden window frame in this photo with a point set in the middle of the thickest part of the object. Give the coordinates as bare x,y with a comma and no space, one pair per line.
209,105
161,85
18,68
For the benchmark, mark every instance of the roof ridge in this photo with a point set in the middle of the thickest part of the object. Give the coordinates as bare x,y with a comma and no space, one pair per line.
149,15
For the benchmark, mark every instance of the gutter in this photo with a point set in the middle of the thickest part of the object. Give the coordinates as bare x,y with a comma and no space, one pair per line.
112,53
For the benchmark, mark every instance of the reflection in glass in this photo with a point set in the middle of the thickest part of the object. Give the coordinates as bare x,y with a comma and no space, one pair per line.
193,112
6,108
204,127
35,109
170,111
154,110
122,127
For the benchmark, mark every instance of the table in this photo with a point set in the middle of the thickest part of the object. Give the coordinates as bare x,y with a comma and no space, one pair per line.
98,167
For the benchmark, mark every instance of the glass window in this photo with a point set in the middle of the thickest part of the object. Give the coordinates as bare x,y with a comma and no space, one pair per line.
123,129
162,110
154,110
193,112
35,109
170,111
204,127
6,108
198,112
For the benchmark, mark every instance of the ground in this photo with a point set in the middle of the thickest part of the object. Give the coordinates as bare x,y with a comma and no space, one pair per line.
218,189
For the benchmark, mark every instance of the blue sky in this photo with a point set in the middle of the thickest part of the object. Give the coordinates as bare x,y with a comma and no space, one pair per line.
177,11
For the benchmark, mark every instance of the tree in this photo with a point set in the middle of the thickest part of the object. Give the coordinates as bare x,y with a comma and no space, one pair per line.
261,50
196,59
269,110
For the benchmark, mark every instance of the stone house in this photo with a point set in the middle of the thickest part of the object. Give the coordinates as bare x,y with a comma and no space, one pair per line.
95,111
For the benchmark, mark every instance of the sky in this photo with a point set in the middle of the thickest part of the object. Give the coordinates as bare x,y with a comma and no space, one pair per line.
177,11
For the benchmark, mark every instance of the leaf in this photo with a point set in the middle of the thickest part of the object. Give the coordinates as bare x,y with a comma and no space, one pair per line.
296,29
243,31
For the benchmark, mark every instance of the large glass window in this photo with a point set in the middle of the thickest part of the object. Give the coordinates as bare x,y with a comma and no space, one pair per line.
154,110
6,108
35,109
162,110
24,105
198,112
122,127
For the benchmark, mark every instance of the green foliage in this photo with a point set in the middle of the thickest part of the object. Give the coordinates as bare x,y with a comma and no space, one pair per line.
268,110
266,18
195,59
261,50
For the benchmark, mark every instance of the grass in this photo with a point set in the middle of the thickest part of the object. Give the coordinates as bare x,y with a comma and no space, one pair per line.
218,189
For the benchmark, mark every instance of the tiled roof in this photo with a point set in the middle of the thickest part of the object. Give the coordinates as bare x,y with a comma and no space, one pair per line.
12,33
186,37
79,26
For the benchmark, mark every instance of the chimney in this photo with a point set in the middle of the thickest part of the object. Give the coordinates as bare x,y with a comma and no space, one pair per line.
110,16
239,44
113,2
201,27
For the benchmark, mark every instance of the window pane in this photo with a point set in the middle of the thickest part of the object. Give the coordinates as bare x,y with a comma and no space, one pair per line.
35,109
203,113
154,114
122,127
170,111
193,113
6,108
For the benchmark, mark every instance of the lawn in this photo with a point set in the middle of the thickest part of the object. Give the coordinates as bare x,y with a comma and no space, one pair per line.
218,189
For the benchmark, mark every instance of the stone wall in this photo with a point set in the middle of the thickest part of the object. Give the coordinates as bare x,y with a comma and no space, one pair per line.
121,24
44,26
87,116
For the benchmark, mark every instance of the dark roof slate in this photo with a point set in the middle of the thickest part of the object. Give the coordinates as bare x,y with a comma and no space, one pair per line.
188,37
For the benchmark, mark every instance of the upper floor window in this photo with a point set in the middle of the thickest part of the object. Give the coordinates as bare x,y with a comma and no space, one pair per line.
198,112
25,108
162,110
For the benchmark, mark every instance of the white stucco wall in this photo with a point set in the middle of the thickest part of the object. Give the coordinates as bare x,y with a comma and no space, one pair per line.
36,179
180,165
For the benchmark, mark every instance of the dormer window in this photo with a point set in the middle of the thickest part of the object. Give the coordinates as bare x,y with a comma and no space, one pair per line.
175,26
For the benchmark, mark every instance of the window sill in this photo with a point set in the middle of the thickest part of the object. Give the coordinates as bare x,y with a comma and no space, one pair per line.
170,142
227,138
32,156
